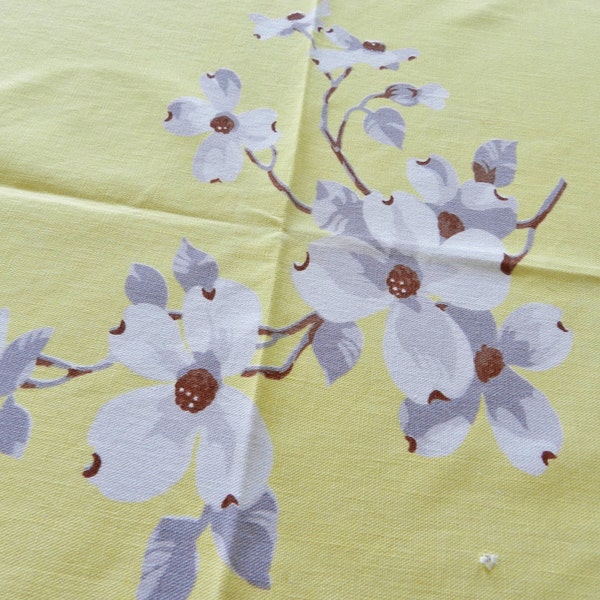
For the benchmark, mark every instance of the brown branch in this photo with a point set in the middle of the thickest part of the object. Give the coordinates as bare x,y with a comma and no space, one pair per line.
546,207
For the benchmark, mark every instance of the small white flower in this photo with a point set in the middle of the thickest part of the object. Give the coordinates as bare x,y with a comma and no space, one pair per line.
355,51
143,440
220,156
524,423
267,28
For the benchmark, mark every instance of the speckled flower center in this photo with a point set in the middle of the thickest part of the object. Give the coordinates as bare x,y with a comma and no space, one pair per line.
489,363
195,390
449,224
295,17
222,124
403,282
374,46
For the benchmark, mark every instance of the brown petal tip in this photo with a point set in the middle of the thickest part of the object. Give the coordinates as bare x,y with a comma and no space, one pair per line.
175,316
562,327
257,36
211,75
422,163
304,265
412,58
118,330
274,126
437,395
94,468
216,180
412,443
503,198
229,500
389,201
169,116
209,295
442,306
547,455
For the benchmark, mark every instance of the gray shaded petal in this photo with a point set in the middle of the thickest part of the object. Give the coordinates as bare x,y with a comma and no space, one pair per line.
496,162
193,267
15,428
145,285
337,347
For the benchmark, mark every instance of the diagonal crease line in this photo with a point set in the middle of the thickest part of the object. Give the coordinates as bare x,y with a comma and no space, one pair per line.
99,206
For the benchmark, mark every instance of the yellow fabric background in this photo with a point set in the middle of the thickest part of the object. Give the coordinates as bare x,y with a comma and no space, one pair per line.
90,182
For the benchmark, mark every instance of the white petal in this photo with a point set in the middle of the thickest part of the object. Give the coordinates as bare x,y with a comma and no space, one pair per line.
524,423
222,88
144,442
151,344
219,158
439,428
189,116
257,128
426,351
534,337
330,60
267,28
402,222
471,262
344,280
227,325
235,455
435,179
477,195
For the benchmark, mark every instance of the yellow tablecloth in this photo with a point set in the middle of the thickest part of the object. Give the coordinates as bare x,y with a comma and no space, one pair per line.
93,180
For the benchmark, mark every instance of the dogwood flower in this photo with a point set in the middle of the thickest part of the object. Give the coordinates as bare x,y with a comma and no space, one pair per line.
524,423
474,204
17,362
143,440
267,28
220,156
355,51
388,254
432,95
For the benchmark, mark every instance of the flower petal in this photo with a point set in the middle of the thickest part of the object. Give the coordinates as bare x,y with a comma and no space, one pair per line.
257,128
143,443
235,455
17,362
225,323
426,351
223,89
330,60
189,116
402,222
219,158
438,429
524,423
471,262
150,344
15,428
344,279
435,179
534,337
433,95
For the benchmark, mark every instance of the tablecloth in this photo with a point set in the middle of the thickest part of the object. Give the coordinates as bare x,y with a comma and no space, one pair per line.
299,300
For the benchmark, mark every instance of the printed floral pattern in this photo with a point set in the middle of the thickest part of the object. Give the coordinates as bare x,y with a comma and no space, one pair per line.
525,425
143,440
219,157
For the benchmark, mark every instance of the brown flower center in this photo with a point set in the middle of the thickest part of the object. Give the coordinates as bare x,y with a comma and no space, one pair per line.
374,46
403,282
449,224
295,16
222,124
195,390
489,363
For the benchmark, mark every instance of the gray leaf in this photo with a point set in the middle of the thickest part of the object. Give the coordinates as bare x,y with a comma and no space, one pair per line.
171,560
145,285
193,267
338,209
15,428
18,359
245,539
337,347
495,162
387,126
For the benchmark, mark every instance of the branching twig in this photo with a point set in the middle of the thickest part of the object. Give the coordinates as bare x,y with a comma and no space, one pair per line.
279,185
333,143
271,372
73,370
359,107
512,260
